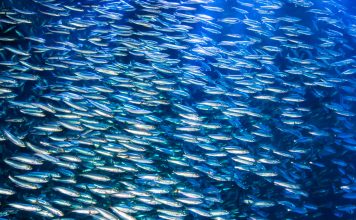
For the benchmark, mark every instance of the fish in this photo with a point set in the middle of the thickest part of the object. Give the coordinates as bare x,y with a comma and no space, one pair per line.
177,109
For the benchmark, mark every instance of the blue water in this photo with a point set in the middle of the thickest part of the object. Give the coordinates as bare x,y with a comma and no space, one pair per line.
230,109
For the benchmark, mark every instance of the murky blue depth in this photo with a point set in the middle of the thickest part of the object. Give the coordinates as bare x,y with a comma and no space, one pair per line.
192,109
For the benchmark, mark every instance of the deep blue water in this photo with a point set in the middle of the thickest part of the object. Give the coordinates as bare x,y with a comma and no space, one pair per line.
263,132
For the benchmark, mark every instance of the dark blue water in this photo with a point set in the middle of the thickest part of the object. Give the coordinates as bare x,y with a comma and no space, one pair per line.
295,158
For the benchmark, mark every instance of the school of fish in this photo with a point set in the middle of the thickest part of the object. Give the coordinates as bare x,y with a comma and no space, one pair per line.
165,109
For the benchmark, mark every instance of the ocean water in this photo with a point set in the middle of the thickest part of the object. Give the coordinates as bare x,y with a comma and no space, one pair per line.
193,109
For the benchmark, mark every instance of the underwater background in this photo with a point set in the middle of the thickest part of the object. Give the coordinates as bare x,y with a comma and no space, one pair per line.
192,109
